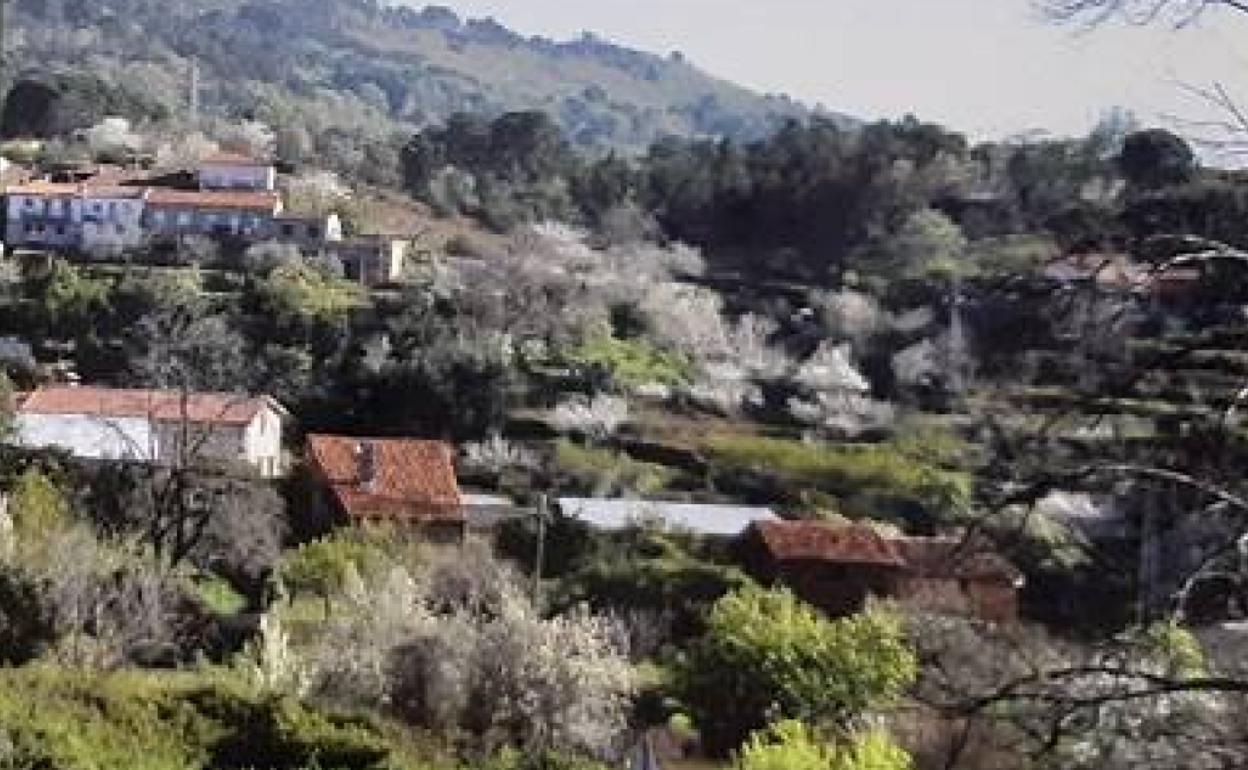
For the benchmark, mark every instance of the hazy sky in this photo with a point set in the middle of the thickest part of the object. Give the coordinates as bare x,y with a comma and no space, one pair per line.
988,67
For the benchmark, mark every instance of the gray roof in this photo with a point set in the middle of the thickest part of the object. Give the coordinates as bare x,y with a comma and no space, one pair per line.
700,519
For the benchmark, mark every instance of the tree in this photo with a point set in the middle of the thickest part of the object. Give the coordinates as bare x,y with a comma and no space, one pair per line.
767,655
1156,158
459,649
927,244
1178,12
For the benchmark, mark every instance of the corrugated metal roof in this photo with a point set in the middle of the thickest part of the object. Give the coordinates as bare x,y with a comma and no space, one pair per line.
698,518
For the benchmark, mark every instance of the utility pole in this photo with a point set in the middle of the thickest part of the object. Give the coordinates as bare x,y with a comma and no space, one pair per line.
543,512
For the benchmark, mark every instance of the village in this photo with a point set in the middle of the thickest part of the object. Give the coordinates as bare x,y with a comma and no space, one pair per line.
382,389
409,483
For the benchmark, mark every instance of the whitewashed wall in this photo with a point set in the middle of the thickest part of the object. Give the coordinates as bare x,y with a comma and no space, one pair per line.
99,438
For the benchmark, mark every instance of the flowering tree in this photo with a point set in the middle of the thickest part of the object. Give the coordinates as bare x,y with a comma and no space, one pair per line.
482,661
597,418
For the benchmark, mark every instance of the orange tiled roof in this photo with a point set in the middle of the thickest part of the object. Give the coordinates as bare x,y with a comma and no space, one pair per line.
954,557
42,189
163,405
819,541
413,480
212,199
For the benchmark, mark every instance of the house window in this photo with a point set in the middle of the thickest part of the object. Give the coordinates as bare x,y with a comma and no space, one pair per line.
184,218
60,229
288,231
314,231
30,228
121,229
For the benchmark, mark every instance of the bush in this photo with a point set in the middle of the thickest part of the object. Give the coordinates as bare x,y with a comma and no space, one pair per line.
790,745
766,654
632,363
143,721
651,575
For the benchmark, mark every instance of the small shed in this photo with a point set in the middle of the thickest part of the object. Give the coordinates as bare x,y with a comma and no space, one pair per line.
400,482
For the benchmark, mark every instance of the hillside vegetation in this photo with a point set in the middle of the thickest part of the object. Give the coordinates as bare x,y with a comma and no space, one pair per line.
323,71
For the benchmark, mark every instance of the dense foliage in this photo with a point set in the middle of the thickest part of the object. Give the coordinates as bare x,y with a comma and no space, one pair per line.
766,655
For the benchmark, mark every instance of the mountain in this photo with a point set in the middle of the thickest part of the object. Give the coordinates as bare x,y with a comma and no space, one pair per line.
368,68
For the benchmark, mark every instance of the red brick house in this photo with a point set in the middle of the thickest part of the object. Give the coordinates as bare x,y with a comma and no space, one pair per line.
836,567
405,482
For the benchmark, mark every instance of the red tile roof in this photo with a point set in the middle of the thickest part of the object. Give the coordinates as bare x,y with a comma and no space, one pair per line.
264,201
162,405
819,541
413,480
954,557
938,557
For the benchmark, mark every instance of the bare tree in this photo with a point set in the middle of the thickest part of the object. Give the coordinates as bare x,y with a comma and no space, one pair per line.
1177,12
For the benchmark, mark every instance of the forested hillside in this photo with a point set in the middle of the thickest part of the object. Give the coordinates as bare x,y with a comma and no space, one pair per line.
333,73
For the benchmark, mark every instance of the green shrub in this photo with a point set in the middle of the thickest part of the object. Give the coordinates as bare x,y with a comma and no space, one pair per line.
321,567
71,720
218,596
37,505
765,655
653,572
791,745
632,363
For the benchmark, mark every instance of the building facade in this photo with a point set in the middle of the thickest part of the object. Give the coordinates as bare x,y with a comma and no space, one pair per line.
229,171
174,214
373,260
151,426
74,216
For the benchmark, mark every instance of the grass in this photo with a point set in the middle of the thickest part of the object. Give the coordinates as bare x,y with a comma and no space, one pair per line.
606,471
886,470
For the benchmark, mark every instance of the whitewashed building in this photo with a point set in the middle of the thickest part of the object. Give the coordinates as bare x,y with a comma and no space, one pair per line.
154,426
230,171
80,216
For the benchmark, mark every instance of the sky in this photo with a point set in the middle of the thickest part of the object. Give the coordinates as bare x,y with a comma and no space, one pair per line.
990,68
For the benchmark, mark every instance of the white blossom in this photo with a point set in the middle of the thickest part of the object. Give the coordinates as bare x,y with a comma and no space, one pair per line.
597,418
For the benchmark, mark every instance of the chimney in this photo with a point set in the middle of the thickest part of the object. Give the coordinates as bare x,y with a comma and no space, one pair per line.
366,458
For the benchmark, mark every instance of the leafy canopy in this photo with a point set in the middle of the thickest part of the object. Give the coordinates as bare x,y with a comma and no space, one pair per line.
766,653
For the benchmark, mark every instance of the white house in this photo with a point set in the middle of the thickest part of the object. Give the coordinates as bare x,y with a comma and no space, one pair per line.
79,216
154,426
231,171
240,213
